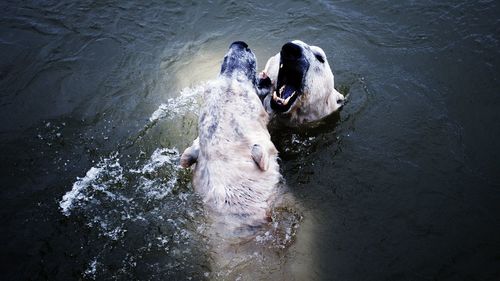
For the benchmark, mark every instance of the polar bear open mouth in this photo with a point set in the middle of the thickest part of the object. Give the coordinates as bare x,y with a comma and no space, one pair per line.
291,75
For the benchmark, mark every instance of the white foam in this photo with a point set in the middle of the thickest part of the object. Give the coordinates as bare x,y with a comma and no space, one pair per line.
157,190
80,192
91,270
187,101
115,233
76,193
160,157
108,174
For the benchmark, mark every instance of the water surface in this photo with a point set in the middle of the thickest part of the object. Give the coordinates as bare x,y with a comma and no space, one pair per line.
98,99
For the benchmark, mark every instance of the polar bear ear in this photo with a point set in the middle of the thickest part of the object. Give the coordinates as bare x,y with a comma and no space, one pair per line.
188,158
260,157
190,155
318,53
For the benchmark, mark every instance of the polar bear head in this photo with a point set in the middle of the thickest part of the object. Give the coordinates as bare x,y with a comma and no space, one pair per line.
302,85
239,62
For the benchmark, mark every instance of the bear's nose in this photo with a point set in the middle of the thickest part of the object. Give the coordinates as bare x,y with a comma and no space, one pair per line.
239,45
291,51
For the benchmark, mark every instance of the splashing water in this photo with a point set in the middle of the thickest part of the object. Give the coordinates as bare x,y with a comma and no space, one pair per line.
188,101
151,200
107,173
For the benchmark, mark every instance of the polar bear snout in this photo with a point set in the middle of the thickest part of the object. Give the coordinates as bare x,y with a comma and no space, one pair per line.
239,62
293,67
239,45
291,51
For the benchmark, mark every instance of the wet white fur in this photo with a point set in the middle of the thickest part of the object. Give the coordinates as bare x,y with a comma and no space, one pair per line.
319,98
236,170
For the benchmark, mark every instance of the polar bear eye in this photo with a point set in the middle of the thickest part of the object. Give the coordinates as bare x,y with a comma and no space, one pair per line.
320,58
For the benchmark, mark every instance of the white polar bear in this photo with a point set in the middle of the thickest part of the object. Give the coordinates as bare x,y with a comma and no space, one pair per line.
300,84
236,170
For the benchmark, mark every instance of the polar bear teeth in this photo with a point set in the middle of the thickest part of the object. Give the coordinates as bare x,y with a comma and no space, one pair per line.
275,96
281,90
281,100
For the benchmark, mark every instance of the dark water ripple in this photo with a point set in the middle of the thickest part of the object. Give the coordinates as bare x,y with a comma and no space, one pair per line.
402,184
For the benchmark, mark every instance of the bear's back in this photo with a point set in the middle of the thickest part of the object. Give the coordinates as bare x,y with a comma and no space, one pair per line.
231,122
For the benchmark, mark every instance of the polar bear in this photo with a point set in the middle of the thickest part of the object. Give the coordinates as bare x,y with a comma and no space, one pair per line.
298,84
236,171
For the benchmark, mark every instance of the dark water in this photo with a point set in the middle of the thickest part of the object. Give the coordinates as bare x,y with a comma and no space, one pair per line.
402,184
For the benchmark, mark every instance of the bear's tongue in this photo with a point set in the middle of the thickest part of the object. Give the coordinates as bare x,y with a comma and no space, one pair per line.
286,92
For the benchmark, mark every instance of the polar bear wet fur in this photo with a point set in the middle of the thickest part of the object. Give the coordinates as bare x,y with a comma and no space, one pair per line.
301,84
236,171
